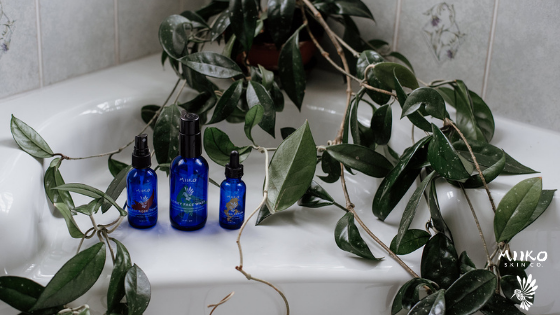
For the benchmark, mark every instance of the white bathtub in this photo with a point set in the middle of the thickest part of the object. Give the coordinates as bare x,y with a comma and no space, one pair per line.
294,249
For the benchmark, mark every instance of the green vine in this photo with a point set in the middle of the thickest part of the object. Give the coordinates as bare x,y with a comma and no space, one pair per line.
456,151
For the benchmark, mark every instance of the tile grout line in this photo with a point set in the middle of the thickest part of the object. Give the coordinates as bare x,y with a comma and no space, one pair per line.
397,22
490,46
39,47
117,50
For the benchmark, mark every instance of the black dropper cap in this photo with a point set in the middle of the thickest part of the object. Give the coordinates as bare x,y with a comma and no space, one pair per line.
233,168
141,154
190,145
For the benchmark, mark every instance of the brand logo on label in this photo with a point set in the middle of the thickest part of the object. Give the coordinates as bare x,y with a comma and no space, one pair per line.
187,180
526,294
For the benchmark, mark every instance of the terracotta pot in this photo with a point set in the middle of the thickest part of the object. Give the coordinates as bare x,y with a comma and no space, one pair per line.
266,54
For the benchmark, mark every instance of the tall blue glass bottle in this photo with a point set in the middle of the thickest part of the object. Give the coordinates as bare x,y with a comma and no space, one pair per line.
232,195
188,180
141,187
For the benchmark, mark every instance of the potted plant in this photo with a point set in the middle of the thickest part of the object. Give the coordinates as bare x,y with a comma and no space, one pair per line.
456,148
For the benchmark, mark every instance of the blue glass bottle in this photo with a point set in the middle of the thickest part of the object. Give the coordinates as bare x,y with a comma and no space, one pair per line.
188,180
141,187
232,195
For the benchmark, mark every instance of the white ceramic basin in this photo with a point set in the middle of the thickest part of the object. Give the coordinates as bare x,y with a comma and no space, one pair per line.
294,249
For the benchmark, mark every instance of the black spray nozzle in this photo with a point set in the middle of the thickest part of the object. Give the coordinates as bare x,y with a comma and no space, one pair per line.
141,154
190,124
233,168
190,144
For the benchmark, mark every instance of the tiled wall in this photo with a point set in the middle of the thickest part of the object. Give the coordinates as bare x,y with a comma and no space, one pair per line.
47,41
508,51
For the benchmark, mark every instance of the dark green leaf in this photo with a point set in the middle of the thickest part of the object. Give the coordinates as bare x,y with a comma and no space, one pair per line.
292,74
435,212
498,305
344,7
439,261
19,293
433,304
483,116
381,124
195,20
213,182
395,185
488,155
370,57
331,167
361,158
415,118
354,123
387,71
173,36
427,98
444,159
348,238
72,226
410,210
122,264
351,37
92,192
263,214
166,134
222,22
286,131
489,174
378,43
411,241
409,294
74,279
244,15
138,290
257,94
252,118
291,169
237,117
315,197
280,15
465,116
465,263
402,58
115,166
544,202
116,187
470,292
218,146
212,64
212,8
516,208
91,207
228,102
147,113
29,140
277,97
200,103
52,179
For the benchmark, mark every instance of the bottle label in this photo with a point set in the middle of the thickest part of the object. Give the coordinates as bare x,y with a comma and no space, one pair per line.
231,211
187,208
143,206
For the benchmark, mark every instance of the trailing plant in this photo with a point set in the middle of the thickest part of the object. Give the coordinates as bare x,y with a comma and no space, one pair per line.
456,150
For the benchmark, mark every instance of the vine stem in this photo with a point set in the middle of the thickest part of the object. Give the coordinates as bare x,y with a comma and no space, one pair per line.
225,299
448,122
119,150
489,261
240,267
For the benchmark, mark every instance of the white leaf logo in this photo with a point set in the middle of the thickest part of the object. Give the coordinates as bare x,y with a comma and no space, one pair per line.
527,291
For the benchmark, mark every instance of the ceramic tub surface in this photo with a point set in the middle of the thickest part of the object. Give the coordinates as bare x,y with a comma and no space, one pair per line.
294,249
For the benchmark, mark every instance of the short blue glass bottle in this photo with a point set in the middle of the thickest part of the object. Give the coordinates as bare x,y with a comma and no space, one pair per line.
141,187
232,195
188,178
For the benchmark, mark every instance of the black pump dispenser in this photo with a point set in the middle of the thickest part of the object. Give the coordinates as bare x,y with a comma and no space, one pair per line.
190,145
234,169
141,154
